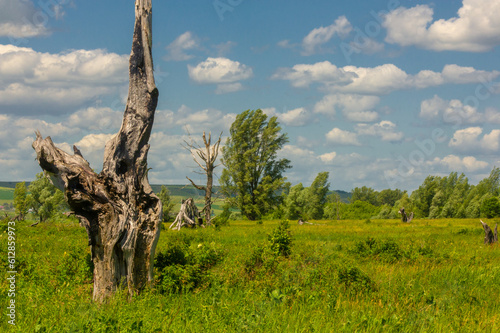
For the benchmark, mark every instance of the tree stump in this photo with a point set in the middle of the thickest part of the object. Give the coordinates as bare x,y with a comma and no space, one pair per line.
405,218
118,208
188,216
490,237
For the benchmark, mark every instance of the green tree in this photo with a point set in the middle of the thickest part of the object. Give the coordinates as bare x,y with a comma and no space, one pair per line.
315,198
44,198
166,202
389,197
366,194
20,202
252,179
422,197
294,202
490,208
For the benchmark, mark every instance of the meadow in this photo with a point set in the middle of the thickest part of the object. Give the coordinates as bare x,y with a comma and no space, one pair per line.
339,276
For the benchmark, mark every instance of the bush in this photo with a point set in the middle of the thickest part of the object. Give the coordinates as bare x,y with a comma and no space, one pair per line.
183,267
387,250
354,279
280,240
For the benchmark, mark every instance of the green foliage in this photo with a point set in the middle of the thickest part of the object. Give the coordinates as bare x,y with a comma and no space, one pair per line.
358,210
166,202
280,240
307,203
252,178
366,194
444,280
77,266
352,278
295,202
316,197
490,208
222,219
20,199
44,198
183,266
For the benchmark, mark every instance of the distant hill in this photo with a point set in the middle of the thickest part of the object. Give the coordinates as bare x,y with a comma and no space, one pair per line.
185,191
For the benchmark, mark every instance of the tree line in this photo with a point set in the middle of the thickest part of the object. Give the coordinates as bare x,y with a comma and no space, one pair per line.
253,182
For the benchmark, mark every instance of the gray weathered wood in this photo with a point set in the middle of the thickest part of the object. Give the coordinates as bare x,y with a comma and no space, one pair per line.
490,236
208,156
404,217
188,216
117,206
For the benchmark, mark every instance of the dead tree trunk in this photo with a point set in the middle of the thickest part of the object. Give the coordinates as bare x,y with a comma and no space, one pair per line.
188,215
490,237
117,207
405,218
208,156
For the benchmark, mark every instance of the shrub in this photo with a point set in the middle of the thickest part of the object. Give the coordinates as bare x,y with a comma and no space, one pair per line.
353,278
183,267
388,250
280,240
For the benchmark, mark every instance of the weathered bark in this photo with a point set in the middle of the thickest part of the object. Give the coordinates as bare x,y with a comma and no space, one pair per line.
405,218
117,207
208,156
188,216
490,237
302,222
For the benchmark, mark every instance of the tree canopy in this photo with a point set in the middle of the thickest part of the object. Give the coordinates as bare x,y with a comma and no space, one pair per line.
253,175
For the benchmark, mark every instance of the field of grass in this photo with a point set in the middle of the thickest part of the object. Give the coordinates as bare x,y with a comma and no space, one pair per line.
341,276
6,195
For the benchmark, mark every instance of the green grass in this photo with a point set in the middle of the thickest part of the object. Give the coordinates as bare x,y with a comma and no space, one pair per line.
6,194
341,276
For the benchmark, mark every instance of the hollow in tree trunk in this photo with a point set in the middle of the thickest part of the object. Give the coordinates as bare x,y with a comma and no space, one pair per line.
117,207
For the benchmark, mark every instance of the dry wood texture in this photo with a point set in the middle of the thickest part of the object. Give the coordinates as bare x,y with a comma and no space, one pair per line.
117,207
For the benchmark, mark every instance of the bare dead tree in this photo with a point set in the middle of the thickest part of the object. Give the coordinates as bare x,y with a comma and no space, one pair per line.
490,237
205,157
188,215
117,206
405,218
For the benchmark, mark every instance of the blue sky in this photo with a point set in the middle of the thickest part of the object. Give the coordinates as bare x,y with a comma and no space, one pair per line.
378,93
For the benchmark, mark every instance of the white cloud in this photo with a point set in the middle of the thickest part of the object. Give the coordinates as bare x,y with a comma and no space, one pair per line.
469,140
338,136
17,19
96,119
221,71
475,28
385,129
455,163
312,43
354,107
303,75
454,111
295,117
377,80
176,51
328,157
44,83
